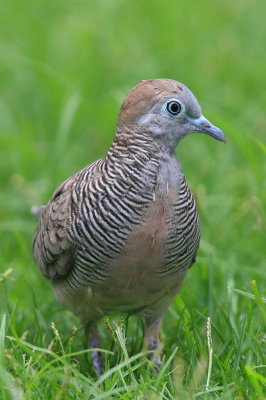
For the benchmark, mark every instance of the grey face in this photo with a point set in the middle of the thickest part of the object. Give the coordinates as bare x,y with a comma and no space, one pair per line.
172,118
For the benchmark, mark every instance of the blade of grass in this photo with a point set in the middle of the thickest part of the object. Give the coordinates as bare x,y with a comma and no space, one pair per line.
259,301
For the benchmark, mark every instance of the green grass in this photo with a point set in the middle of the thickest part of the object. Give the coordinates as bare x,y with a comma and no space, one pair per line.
65,67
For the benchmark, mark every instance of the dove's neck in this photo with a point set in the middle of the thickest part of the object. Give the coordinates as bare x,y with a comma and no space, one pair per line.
137,154
169,173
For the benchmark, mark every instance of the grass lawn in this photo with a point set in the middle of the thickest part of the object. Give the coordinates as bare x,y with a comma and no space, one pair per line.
65,68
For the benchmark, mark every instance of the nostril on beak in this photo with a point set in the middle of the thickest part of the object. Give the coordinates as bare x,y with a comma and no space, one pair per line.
206,125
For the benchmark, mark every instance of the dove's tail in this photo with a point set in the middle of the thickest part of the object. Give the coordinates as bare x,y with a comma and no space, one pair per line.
37,211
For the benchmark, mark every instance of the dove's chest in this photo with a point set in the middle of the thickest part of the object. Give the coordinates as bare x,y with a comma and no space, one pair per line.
155,258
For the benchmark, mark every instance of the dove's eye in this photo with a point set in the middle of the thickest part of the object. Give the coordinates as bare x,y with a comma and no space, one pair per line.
173,107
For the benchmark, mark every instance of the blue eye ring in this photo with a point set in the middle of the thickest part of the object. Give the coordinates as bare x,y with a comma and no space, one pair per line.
174,107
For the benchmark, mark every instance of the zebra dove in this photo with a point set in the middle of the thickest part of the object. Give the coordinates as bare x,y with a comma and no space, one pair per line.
120,235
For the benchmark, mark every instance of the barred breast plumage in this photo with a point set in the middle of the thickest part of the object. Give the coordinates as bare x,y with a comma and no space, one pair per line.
120,234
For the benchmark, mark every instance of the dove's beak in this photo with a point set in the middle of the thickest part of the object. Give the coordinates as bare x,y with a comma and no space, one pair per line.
202,125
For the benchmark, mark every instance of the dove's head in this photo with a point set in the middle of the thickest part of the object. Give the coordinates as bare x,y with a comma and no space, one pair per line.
166,110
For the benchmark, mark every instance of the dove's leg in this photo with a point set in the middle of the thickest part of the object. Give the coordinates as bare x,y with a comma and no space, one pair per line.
93,338
151,339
